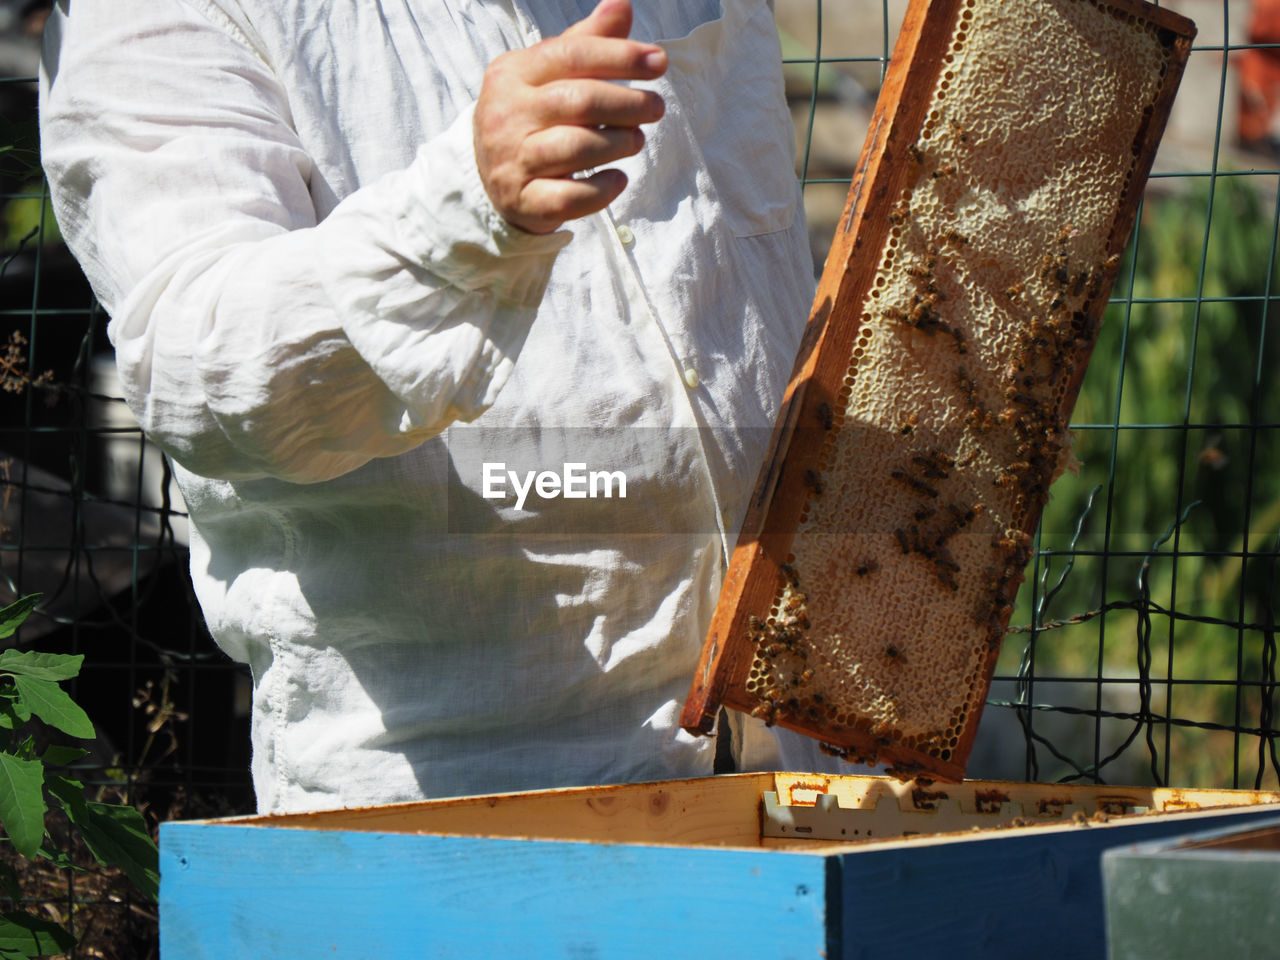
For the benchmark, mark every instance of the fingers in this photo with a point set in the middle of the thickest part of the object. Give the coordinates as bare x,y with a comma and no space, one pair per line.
607,58
561,151
558,200
595,103
548,111
610,18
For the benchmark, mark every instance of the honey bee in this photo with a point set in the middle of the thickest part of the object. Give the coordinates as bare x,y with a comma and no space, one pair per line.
935,465
813,482
902,540
909,425
898,214
1014,291
915,483
943,557
946,533
946,170
960,132
914,151
825,416
766,711
867,567
1014,540
922,313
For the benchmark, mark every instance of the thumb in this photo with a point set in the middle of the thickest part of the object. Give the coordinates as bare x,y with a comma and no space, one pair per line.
610,18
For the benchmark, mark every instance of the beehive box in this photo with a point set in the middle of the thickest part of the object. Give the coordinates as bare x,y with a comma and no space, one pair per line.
1206,894
927,413
751,865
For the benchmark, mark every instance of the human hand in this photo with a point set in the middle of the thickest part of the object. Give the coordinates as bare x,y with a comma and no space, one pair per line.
549,111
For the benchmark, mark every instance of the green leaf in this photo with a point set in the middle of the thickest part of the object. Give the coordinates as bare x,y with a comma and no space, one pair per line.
41,666
115,835
12,714
22,806
54,706
11,617
60,859
119,836
70,793
60,756
26,935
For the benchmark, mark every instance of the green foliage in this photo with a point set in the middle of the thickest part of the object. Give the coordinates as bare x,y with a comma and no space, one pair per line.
26,935
1176,431
29,215
116,835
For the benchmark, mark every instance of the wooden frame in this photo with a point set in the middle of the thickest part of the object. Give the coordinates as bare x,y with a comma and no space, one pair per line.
793,472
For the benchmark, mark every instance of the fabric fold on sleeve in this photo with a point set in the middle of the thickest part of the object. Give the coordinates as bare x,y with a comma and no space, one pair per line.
253,338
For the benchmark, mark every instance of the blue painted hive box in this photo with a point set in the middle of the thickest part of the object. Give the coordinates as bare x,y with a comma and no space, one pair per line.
751,865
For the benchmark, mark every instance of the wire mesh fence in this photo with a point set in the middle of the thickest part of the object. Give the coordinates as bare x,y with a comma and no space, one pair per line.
1144,645
1143,649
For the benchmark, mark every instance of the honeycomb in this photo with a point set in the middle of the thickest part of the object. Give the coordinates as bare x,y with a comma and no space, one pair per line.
997,247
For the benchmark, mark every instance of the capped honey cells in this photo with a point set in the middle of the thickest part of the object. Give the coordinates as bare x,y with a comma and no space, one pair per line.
997,250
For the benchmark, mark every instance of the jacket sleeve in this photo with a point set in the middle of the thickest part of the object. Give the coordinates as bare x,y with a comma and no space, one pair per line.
253,338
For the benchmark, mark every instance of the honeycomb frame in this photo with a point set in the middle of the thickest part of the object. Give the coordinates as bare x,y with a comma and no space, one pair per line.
926,415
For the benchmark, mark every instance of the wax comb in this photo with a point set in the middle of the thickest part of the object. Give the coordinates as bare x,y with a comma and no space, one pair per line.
927,412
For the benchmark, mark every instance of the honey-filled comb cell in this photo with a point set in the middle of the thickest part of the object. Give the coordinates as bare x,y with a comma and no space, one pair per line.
927,413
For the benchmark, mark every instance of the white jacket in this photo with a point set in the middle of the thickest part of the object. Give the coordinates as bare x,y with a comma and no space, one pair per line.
321,318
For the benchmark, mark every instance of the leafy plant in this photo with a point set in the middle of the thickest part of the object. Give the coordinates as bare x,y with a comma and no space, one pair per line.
30,785
1185,633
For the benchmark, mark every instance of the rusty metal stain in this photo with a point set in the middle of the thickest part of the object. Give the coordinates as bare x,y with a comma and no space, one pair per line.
923,799
989,801
805,785
1117,806
1052,806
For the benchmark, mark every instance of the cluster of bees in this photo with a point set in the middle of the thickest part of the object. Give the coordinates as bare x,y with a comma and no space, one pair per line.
1045,358
781,652
922,310
933,524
